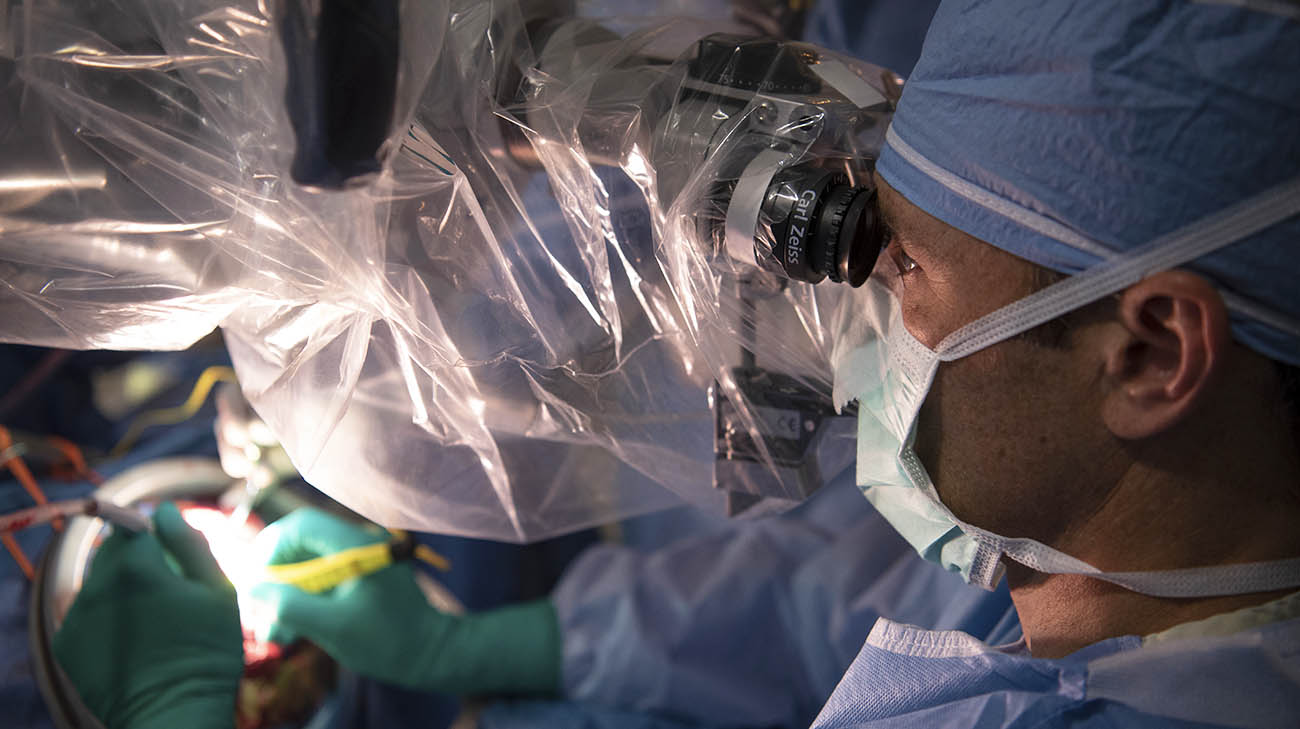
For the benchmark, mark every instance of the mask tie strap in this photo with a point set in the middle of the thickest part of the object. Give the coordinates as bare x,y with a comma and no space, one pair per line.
1235,223
1227,579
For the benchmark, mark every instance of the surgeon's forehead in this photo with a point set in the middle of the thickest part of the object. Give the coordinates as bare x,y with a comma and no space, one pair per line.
961,277
913,226
924,233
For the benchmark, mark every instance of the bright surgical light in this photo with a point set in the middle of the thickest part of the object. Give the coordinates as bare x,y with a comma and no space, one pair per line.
231,543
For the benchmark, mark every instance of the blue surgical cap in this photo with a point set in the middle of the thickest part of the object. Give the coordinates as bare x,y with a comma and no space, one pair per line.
1062,132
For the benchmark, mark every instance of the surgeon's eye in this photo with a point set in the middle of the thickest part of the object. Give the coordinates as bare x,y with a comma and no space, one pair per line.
905,262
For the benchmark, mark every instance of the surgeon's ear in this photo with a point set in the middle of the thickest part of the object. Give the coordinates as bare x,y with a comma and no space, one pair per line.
1175,342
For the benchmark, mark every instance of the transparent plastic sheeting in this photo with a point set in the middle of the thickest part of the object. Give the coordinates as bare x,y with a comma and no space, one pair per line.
520,320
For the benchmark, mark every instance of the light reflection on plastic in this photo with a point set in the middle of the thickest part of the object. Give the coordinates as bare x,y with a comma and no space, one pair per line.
262,220
478,406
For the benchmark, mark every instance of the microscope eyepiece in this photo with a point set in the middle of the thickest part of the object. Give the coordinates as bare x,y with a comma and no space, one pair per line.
815,225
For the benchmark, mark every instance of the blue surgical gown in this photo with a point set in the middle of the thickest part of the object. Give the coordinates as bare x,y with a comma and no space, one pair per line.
752,625
757,624
908,677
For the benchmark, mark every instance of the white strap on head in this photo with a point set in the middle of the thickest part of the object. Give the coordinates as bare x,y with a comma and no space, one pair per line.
1235,223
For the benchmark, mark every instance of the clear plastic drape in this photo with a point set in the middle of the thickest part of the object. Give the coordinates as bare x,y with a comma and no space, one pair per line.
480,272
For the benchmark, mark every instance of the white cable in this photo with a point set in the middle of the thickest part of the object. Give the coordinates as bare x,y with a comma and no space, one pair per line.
45,513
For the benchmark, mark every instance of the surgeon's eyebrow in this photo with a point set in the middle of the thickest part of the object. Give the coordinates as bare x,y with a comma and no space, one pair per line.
890,220
885,214
910,226
918,231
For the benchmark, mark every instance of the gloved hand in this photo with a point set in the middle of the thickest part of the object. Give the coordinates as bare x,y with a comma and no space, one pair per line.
148,646
381,626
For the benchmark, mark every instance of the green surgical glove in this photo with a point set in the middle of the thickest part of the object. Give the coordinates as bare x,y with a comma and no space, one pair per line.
381,626
153,639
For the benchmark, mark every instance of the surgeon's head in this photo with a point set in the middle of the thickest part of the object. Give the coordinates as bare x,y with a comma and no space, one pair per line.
1032,436
1035,141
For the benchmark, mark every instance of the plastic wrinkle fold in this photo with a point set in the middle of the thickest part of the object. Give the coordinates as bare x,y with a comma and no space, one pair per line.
471,270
